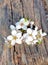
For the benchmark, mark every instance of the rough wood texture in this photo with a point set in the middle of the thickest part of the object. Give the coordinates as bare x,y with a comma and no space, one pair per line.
10,12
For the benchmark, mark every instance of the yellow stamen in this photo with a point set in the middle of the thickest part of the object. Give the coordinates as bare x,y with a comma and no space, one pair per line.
15,37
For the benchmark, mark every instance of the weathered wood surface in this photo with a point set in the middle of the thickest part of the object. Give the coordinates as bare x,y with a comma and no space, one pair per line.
10,12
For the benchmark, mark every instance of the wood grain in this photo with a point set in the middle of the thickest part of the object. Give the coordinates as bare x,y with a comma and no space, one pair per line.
10,13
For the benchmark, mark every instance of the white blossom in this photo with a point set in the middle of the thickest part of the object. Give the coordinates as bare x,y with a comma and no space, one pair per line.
34,34
22,20
27,42
36,28
26,23
10,37
19,35
35,41
25,35
13,42
32,22
20,25
12,27
30,36
24,27
29,31
14,32
42,34
18,41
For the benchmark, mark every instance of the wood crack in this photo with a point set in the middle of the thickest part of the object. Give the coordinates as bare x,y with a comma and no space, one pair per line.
22,7
45,46
11,12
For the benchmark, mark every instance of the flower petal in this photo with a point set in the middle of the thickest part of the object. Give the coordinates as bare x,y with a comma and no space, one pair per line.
10,37
32,43
29,38
26,23
19,35
24,27
27,42
35,41
34,37
22,38
13,42
18,41
25,35
34,33
36,28
29,31
40,31
14,32
32,22
22,20
44,34
18,27
17,23
12,27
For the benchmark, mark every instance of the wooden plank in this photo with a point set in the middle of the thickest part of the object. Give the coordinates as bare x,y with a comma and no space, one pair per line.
46,43
28,10
1,48
40,48
23,55
7,12
43,47
34,49
16,10
17,46
45,2
19,55
27,51
37,14
44,22
16,15
46,14
5,16
12,55
45,7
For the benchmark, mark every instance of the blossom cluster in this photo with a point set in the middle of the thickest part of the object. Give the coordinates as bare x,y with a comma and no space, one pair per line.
25,31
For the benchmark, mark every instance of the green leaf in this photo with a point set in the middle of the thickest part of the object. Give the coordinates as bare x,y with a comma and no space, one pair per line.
26,20
39,42
23,31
